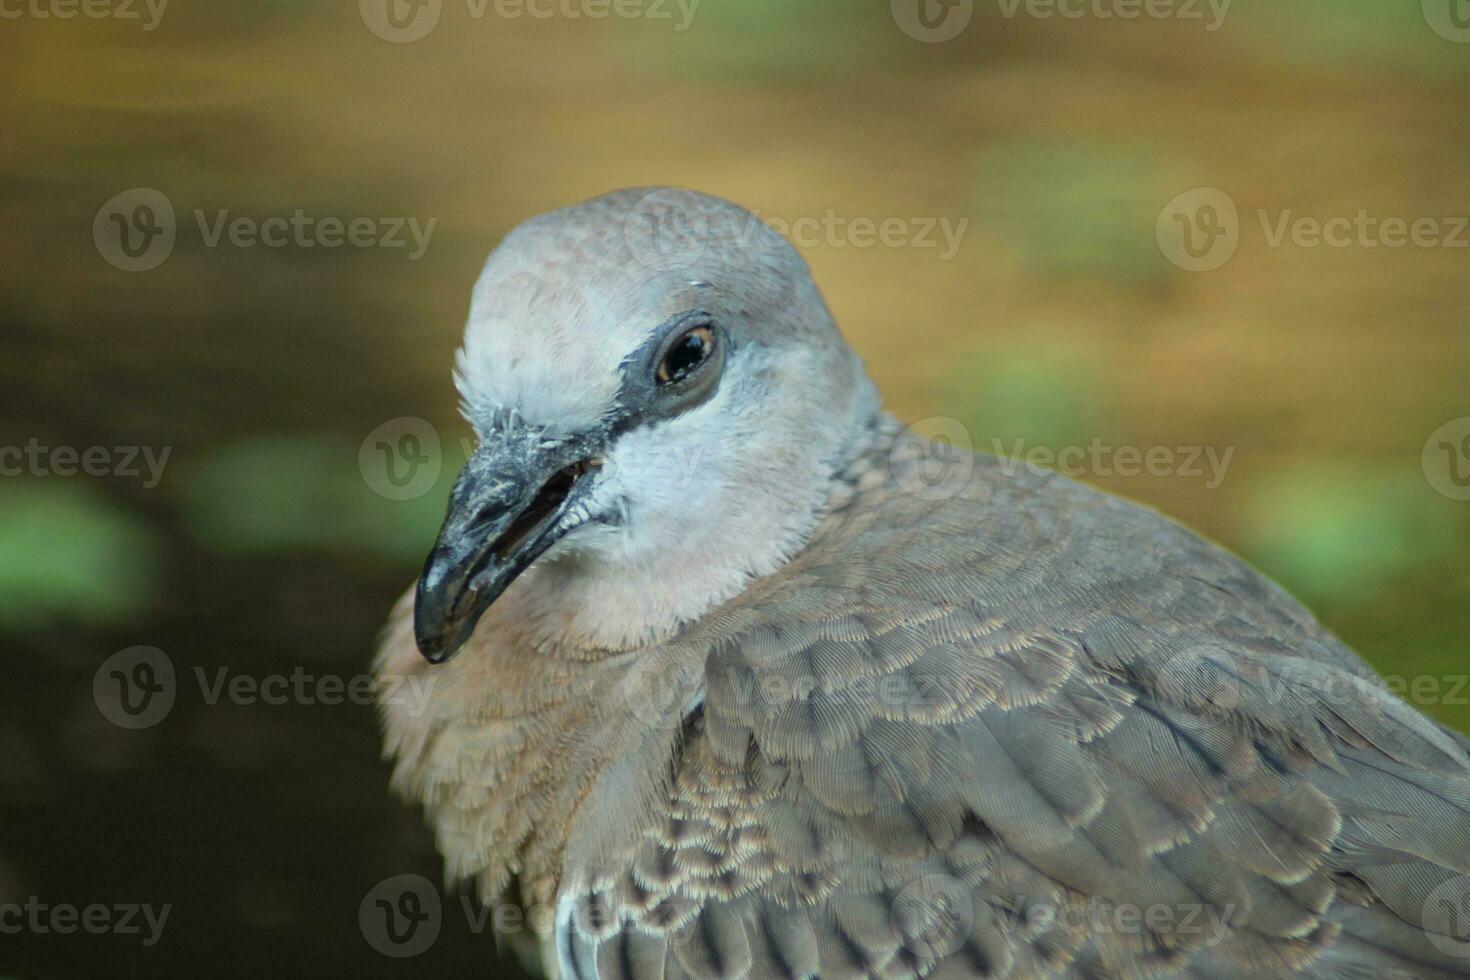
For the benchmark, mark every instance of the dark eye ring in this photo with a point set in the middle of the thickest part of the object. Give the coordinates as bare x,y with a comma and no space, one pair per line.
687,354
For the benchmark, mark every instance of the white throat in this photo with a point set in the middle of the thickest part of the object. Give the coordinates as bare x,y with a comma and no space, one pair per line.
716,527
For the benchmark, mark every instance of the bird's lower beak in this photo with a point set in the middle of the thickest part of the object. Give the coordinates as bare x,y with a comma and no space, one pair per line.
510,503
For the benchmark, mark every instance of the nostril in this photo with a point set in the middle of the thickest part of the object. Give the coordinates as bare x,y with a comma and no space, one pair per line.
485,515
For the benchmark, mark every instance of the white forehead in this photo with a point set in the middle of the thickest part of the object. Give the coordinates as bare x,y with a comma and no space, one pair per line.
568,295
548,343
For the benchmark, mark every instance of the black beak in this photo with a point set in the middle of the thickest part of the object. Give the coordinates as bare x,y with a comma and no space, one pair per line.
510,503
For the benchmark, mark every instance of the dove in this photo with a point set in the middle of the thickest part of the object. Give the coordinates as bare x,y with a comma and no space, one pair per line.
729,674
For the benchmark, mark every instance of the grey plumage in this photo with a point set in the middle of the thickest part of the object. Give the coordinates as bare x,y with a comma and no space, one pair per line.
1024,729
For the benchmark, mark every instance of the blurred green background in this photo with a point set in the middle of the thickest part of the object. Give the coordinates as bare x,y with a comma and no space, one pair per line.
266,548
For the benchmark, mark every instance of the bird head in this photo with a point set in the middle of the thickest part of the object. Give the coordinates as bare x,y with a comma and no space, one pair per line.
661,399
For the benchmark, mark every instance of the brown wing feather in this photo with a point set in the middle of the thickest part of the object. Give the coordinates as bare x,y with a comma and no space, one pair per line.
1035,731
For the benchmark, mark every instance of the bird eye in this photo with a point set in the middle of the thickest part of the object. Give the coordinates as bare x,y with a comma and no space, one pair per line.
685,355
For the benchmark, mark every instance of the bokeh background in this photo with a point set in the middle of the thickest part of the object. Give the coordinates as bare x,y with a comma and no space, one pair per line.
267,547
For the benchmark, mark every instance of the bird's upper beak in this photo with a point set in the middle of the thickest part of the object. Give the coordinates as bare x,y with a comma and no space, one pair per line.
511,502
